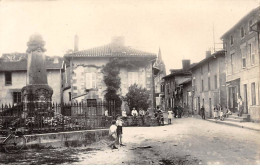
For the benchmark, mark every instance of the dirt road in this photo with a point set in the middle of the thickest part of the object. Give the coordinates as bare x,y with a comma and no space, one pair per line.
186,141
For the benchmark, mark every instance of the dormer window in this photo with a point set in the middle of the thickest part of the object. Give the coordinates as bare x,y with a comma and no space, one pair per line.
242,31
231,40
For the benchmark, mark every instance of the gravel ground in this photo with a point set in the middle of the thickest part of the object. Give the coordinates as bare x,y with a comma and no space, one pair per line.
187,141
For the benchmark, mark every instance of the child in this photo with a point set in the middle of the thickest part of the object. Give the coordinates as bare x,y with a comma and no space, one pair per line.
215,113
119,130
170,116
113,135
221,113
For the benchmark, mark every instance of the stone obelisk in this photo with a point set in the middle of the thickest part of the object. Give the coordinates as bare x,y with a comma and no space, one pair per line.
37,94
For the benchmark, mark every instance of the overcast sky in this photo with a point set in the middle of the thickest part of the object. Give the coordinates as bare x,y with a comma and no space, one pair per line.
181,28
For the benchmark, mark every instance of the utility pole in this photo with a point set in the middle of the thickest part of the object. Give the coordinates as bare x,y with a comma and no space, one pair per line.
214,49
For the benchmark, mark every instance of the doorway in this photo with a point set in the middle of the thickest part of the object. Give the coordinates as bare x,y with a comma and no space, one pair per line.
210,107
245,99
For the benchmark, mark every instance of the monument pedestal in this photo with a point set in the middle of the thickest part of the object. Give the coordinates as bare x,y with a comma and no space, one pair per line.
37,99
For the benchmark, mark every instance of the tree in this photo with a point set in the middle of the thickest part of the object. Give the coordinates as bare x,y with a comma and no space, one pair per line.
137,97
112,80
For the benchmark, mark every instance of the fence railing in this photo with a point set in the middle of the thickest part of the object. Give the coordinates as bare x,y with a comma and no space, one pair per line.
57,117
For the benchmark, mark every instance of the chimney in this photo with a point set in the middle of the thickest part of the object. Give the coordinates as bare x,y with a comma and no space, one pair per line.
76,43
185,64
208,53
118,41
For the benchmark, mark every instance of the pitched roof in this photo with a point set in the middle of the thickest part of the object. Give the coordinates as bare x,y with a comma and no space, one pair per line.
252,12
18,62
207,59
180,72
111,50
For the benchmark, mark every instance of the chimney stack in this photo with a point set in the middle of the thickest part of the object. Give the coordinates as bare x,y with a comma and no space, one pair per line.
208,53
76,43
185,64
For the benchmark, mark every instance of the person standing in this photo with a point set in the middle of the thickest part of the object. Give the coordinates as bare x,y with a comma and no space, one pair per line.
215,113
240,106
175,110
113,135
119,130
202,110
170,116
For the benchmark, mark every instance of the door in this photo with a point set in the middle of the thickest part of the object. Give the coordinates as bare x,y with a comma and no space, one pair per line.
198,106
245,99
210,108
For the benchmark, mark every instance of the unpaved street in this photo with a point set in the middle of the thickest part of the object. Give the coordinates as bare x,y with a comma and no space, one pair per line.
186,141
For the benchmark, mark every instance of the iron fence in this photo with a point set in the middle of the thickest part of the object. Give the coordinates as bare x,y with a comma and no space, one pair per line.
57,117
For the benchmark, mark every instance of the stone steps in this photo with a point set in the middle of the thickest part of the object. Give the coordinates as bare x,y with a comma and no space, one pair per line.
235,118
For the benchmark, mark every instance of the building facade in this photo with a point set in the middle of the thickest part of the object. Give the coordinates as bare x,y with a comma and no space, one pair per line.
208,83
177,86
13,72
241,43
84,78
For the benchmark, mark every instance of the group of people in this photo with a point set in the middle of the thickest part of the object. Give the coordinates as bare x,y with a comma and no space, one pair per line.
220,113
158,114
175,112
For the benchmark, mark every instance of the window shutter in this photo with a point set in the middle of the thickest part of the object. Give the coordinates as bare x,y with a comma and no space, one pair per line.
88,80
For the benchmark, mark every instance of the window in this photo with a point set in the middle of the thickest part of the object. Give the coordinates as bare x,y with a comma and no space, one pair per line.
90,80
132,78
162,88
251,52
231,40
69,96
202,85
253,93
8,78
216,81
242,31
209,83
208,67
194,85
231,61
243,52
17,97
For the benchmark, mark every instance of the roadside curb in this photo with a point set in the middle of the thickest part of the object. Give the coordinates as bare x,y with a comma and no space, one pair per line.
234,125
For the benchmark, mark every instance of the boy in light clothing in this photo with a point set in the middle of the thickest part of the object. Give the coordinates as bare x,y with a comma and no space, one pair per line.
119,130
113,135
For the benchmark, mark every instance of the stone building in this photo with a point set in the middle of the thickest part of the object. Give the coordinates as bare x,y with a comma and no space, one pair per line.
208,83
241,44
84,78
160,72
13,70
177,86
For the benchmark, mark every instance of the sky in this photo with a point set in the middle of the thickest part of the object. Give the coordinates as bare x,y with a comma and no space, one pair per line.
182,29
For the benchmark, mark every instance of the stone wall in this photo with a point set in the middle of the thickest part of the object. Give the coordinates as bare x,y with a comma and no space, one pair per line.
65,139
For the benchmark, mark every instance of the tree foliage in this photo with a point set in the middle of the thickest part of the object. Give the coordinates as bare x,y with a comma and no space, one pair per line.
112,80
137,97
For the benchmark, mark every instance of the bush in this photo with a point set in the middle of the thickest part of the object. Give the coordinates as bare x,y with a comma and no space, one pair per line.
137,97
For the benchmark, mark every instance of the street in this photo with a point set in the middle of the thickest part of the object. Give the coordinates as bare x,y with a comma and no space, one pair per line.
186,141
